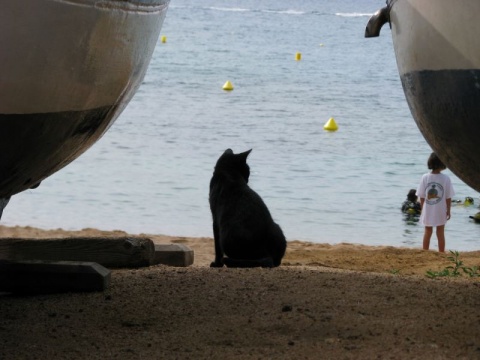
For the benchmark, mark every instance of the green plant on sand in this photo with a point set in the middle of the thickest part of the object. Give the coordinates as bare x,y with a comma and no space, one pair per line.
455,269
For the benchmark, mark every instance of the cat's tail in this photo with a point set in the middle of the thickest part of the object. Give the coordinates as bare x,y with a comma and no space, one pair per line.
266,262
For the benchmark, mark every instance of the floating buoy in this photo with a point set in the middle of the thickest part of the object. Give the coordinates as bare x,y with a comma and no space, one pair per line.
228,86
330,125
298,56
321,45
163,39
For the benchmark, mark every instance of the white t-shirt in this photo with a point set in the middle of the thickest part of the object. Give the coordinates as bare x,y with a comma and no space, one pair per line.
435,189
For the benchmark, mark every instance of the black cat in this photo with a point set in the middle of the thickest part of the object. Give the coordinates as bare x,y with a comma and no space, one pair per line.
243,228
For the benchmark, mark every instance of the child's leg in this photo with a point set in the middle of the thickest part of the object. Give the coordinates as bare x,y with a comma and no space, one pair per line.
426,237
441,238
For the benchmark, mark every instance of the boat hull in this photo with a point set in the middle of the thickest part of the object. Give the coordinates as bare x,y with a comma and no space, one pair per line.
69,68
438,58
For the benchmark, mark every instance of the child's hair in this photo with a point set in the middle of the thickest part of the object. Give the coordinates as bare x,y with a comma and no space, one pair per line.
434,162
411,196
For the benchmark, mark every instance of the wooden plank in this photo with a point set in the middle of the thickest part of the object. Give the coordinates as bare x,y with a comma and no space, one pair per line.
173,255
115,252
46,277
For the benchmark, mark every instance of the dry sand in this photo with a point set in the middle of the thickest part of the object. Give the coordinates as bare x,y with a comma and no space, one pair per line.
325,302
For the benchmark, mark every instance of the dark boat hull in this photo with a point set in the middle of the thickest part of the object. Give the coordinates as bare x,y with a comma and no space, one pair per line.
33,146
69,68
446,108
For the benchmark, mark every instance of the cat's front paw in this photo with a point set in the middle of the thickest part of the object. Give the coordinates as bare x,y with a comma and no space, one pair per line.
216,264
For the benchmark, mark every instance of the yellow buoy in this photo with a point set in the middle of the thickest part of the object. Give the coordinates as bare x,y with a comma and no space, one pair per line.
228,86
298,56
330,125
163,39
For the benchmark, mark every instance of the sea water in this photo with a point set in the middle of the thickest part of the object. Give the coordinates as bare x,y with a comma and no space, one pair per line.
150,172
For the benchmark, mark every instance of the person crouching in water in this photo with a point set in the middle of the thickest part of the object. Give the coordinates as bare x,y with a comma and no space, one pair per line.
411,206
435,192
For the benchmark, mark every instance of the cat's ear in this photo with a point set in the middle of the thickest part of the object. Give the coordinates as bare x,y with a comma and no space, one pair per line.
244,155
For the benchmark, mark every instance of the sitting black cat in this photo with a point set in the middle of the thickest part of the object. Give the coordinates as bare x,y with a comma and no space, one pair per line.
243,228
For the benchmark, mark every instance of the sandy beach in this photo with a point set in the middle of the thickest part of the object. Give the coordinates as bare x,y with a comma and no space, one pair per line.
326,301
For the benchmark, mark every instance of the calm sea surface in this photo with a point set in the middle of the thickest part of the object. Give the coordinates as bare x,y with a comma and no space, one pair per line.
150,172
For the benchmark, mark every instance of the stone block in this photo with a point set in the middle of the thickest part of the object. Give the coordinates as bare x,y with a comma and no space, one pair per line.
46,277
173,255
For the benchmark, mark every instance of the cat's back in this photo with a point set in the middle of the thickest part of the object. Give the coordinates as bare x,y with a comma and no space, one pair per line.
227,189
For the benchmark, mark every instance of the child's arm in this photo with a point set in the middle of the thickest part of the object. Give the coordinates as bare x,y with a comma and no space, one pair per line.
449,204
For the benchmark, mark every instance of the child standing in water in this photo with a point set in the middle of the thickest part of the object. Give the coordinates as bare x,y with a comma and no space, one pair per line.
435,192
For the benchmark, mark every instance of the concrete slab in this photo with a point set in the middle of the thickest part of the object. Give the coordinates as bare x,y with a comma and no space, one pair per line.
173,255
46,277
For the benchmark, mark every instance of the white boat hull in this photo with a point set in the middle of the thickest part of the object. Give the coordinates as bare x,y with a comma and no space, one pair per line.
438,57
69,67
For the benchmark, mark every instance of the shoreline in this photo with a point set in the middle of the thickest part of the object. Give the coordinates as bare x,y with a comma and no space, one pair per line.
343,256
